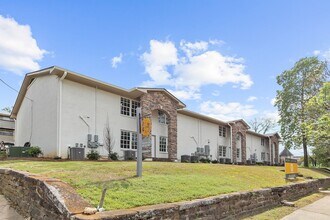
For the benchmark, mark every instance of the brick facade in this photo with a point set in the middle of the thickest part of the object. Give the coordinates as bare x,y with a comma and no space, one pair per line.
157,100
239,127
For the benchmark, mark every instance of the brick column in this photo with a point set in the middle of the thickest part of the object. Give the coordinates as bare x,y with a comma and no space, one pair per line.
159,101
239,127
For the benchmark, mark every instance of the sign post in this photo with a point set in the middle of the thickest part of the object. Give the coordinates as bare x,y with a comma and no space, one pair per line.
139,143
291,168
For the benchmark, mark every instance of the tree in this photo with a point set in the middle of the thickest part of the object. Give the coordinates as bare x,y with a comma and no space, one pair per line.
318,124
7,109
299,85
108,139
262,125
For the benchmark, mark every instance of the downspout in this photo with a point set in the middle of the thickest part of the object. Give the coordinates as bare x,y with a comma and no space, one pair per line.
59,114
231,143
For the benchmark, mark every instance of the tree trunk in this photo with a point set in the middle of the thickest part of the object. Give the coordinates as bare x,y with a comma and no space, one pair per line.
305,151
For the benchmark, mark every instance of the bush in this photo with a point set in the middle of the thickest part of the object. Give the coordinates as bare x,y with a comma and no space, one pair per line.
215,161
113,156
204,160
93,155
34,151
3,155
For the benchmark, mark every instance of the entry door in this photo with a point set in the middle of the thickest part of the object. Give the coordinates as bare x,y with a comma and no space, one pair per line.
153,146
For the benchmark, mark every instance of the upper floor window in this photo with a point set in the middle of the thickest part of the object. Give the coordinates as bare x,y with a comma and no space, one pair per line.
222,131
162,119
262,141
128,107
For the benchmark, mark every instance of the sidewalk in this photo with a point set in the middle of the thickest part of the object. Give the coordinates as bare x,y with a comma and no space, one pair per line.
7,212
319,210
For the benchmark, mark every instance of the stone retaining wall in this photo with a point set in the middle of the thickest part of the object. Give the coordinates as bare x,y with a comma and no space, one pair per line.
229,206
45,198
40,197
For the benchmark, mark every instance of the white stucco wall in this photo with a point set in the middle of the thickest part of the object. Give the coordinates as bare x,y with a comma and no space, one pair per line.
204,132
37,120
95,106
253,145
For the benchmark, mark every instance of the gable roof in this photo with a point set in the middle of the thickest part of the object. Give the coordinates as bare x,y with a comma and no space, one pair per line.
286,153
85,80
240,120
201,116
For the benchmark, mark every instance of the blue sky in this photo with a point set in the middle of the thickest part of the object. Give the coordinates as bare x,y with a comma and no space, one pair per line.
220,57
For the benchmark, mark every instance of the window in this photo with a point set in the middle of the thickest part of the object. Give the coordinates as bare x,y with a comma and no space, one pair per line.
125,106
268,158
128,107
238,153
128,140
135,104
134,140
263,156
162,144
162,117
7,133
262,142
125,139
222,151
222,131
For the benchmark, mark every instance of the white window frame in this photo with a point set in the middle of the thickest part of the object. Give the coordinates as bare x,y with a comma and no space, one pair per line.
222,151
263,156
130,108
132,141
222,131
161,144
162,117
262,141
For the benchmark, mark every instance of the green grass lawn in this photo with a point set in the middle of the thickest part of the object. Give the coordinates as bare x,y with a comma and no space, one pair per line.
161,182
282,211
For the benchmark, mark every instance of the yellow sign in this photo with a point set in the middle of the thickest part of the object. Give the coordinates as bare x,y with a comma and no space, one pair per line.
291,168
146,127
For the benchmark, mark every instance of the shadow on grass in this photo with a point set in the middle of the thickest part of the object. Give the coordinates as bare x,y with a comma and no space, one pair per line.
116,183
321,171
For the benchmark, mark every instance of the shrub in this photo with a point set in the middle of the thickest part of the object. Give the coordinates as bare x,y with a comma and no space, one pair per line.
204,160
93,155
215,161
113,156
34,151
3,155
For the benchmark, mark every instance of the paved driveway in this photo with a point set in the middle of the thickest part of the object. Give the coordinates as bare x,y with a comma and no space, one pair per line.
319,210
7,212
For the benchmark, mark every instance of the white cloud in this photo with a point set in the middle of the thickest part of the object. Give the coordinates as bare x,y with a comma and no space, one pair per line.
272,101
186,94
191,66
227,111
19,51
323,54
116,60
161,55
251,99
272,115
